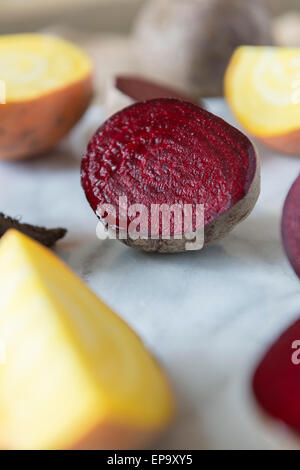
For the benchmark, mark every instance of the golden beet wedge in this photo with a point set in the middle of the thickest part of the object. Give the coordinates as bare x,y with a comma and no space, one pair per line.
45,87
262,87
73,375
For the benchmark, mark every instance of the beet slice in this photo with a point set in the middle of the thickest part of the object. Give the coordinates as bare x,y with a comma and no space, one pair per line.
167,151
276,382
141,89
125,90
290,226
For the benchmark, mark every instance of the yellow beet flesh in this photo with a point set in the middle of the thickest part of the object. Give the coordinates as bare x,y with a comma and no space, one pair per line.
262,86
48,86
34,64
74,370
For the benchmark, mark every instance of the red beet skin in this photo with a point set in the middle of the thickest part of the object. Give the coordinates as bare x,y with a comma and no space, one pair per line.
290,226
141,89
276,382
169,151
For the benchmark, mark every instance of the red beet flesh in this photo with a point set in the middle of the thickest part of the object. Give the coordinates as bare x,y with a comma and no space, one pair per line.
290,226
276,382
141,89
167,151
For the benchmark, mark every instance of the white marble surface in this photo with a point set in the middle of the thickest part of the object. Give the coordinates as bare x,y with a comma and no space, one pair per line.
207,316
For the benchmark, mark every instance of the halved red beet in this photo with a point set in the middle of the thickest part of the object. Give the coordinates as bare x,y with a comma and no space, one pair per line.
276,382
290,226
124,90
170,152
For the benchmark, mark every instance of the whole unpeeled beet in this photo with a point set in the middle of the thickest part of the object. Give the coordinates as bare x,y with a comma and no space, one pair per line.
188,43
167,151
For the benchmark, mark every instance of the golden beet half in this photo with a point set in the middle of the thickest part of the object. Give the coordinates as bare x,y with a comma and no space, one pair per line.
262,87
73,374
47,85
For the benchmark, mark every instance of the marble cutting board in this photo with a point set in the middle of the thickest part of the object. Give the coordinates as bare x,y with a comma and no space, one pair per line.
207,316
